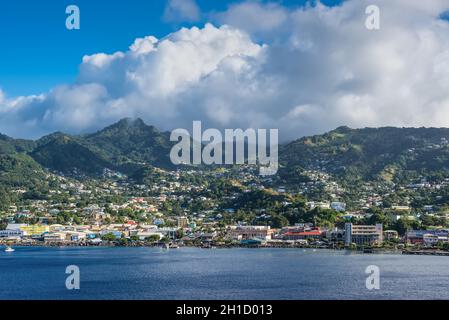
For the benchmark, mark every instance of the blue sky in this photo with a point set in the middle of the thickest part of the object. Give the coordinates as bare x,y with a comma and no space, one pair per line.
304,69
38,52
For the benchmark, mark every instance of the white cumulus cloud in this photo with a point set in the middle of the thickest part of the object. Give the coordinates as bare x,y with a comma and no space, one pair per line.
303,70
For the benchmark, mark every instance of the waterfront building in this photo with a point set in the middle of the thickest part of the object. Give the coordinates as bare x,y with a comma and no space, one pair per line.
250,232
417,236
431,240
142,235
335,235
391,235
363,234
11,233
34,230
72,236
56,237
168,232
116,233
314,233
91,235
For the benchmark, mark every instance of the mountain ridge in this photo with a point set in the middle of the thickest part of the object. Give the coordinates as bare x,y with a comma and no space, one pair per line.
366,154
353,154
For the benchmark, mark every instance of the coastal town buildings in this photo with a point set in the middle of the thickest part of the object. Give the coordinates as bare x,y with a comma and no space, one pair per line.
241,208
427,237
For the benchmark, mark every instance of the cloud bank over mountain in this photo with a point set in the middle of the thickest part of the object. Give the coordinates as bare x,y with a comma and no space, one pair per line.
261,65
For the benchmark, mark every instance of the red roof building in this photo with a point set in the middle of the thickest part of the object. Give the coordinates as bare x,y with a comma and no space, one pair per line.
312,234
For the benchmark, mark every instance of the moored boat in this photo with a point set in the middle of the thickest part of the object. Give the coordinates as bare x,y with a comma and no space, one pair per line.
9,249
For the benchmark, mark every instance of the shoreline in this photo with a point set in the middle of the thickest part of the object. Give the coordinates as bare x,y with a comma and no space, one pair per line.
431,252
393,251
230,246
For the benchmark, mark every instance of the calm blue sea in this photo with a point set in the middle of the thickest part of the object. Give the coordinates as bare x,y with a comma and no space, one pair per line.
190,273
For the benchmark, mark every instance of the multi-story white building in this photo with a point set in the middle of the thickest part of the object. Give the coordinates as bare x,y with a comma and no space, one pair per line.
363,234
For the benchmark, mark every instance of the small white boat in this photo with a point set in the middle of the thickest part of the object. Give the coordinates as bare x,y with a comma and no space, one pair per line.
9,249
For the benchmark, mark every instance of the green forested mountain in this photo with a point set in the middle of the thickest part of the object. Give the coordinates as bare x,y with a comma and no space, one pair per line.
352,155
371,153
131,141
9,145
124,146
66,154
17,168
19,171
